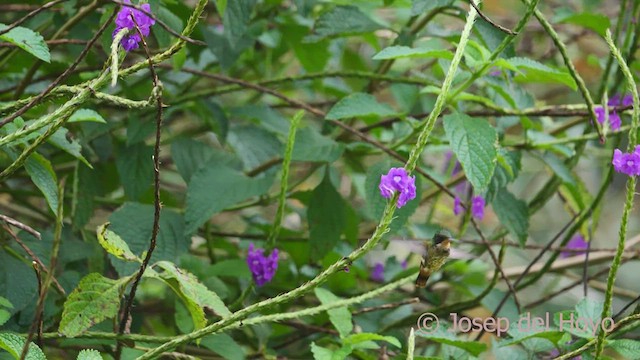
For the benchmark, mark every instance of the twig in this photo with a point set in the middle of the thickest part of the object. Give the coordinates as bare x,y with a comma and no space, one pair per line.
34,257
386,306
62,77
20,226
157,90
486,18
30,15
57,236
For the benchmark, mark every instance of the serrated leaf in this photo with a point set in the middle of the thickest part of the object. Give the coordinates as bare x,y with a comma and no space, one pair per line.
216,187
193,289
513,214
89,354
71,146
190,156
354,339
14,343
326,217
359,105
96,298
342,21
422,6
596,22
133,222
311,146
86,115
628,348
473,141
443,336
223,345
398,52
114,244
135,168
538,72
27,40
45,179
340,317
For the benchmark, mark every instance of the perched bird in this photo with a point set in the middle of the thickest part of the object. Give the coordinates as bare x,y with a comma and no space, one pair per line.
437,253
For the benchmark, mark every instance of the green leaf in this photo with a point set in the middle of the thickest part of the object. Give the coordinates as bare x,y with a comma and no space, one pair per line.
4,314
27,40
443,336
422,6
223,345
221,5
513,214
359,105
398,52
342,21
133,222
596,22
43,176
114,244
193,289
86,115
14,344
216,187
473,141
537,72
95,299
326,217
519,336
135,168
559,168
18,283
626,347
311,146
354,339
190,156
340,317
71,146
321,353
254,145
89,354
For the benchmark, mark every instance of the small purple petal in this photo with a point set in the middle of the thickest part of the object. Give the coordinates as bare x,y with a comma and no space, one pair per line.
576,243
377,274
615,121
627,163
262,268
457,205
627,100
477,207
600,114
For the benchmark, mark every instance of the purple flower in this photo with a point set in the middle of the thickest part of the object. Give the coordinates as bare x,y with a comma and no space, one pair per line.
576,243
627,100
477,207
614,119
398,180
377,274
457,205
618,100
262,267
627,163
128,18
403,264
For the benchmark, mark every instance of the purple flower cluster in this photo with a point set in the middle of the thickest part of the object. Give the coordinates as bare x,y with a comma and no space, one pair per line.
128,18
398,180
576,243
478,203
262,267
627,163
614,119
377,273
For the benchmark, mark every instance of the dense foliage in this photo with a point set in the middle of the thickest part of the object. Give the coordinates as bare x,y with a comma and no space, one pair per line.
262,178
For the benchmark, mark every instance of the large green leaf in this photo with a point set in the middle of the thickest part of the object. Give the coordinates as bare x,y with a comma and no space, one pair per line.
596,22
114,244
190,155
82,115
135,168
354,339
28,40
342,21
359,105
216,187
89,354
14,344
326,218
397,52
534,71
193,289
422,6
513,214
628,348
254,145
473,141
5,306
43,176
62,140
443,336
18,282
311,146
340,317
133,222
96,298
223,345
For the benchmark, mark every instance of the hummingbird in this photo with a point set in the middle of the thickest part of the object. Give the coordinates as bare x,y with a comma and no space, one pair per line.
437,254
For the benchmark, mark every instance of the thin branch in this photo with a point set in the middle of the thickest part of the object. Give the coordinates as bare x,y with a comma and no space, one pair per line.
157,91
486,18
20,226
